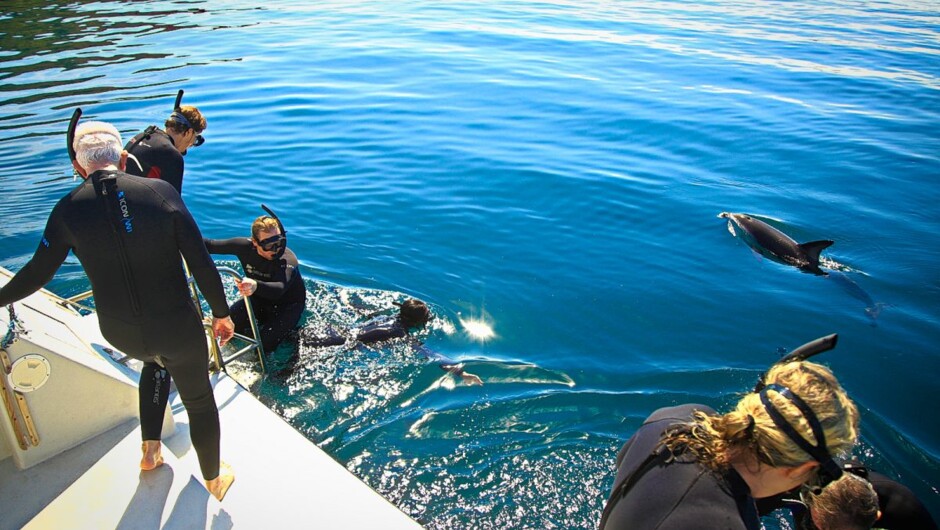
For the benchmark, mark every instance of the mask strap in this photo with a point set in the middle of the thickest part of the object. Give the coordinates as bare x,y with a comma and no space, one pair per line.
819,452
280,226
179,118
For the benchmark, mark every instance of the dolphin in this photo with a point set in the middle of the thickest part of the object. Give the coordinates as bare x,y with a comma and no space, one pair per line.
774,244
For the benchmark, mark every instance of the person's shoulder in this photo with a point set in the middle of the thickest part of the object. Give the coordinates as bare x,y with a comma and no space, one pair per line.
157,187
84,190
289,258
146,138
679,412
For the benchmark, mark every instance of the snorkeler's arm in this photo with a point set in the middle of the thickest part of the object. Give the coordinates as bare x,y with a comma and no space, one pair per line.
449,365
201,266
380,332
234,246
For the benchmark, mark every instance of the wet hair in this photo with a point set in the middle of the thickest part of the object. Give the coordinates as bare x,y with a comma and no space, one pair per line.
192,115
413,313
748,430
264,223
849,503
97,144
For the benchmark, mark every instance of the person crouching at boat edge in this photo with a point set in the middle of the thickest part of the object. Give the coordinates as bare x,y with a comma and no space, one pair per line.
690,467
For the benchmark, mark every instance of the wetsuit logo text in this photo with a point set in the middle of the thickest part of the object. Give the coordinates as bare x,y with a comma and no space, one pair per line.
125,213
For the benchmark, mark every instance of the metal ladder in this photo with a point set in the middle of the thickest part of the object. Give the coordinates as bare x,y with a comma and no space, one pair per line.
218,361
252,343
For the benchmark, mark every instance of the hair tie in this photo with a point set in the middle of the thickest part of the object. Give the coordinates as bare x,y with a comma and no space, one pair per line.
750,426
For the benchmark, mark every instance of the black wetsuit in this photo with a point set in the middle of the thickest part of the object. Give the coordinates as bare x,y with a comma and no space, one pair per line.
128,233
680,494
279,301
386,328
900,508
158,158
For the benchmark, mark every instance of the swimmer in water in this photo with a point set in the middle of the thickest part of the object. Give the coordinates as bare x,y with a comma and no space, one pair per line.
413,315
272,281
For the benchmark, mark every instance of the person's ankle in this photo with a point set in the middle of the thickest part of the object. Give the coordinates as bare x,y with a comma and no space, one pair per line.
220,485
152,454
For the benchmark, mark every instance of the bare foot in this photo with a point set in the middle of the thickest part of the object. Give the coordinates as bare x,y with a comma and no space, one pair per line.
152,458
220,484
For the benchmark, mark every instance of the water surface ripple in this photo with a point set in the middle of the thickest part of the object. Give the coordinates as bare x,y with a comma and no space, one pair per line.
553,168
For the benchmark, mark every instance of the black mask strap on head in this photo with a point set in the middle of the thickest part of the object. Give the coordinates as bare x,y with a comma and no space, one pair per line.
829,470
280,226
178,117
802,353
70,135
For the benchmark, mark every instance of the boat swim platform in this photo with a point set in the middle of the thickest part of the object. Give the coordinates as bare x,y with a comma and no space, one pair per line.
282,480
70,444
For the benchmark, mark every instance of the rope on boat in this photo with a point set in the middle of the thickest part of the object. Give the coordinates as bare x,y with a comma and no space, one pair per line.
13,330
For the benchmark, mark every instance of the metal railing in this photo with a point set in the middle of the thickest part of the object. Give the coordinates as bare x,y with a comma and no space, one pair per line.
215,351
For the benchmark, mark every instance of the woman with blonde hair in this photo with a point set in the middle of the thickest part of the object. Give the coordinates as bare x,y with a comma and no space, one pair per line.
689,467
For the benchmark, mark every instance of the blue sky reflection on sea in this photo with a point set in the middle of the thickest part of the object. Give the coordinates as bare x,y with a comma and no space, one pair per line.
553,169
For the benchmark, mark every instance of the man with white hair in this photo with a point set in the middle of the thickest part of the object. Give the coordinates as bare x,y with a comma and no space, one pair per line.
128,233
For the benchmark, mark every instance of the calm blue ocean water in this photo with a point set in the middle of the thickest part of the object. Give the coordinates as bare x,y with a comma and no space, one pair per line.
553,169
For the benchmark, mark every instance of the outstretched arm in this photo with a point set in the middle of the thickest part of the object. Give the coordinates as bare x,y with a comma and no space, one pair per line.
200,264
52,251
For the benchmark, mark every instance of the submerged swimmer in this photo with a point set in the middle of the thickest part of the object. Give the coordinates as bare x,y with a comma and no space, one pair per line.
413,314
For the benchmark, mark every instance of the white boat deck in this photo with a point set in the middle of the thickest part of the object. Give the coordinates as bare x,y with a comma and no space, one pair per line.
282,481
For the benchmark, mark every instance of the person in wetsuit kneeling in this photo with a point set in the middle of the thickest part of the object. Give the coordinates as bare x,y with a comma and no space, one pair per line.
128,233
272,281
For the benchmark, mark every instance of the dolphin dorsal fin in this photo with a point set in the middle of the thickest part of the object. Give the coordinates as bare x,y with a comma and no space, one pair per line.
813,248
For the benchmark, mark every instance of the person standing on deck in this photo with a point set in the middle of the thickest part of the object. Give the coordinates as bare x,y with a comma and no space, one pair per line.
128,233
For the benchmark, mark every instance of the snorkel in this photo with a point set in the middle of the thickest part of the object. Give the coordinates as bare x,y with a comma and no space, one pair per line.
829,470
802,353
178,117
70,135
280,226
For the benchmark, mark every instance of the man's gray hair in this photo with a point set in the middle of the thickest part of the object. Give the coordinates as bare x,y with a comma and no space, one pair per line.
97,144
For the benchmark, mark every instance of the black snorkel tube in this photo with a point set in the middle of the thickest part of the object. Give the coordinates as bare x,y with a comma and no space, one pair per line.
829,470
178,117
280,226
70,135
802,353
